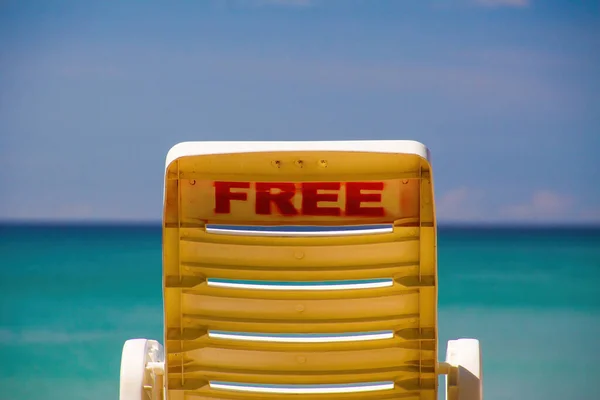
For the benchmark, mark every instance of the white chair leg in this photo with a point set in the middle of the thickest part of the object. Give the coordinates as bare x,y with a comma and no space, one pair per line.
141,375
465,379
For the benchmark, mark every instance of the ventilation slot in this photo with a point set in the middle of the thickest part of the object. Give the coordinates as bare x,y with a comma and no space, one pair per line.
302,337
303,389
299,231
301,285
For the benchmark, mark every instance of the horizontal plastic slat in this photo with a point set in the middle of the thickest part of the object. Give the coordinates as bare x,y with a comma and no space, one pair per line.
298,238
274,310
326,362
194,339
284,256
175,388
193,376
298,296
301,272
295,325
405,386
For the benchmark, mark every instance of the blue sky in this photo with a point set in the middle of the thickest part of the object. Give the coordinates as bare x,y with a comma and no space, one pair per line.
505,93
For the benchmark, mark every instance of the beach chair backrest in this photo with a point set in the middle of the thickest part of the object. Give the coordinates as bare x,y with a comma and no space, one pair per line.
300,267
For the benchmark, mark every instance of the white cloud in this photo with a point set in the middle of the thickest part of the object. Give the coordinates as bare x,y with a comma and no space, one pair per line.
544,204
503,3
467,205
461,204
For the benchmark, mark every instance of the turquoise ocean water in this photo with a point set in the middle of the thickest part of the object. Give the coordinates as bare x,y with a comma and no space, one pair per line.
70,297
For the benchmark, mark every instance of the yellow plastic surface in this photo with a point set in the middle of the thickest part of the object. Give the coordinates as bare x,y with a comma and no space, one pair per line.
192,256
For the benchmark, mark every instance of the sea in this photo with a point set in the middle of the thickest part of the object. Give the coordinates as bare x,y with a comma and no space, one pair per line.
70,295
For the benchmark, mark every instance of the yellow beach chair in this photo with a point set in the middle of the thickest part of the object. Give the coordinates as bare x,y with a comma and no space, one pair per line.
299,270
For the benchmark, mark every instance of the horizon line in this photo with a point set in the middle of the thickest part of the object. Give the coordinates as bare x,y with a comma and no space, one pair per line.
158,223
